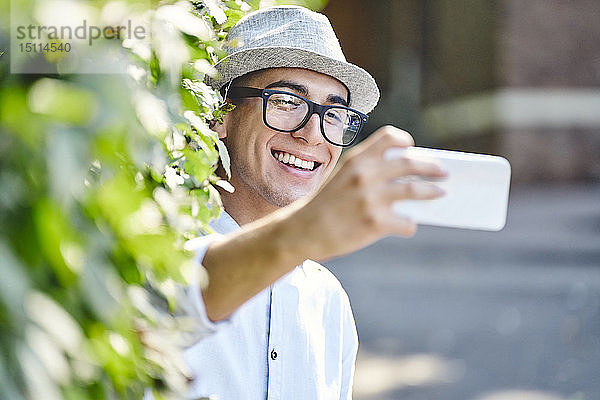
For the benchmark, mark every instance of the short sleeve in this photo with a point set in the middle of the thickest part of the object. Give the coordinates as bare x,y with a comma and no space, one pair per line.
191,310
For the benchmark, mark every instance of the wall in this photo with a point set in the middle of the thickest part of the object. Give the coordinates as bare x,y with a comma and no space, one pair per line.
511,77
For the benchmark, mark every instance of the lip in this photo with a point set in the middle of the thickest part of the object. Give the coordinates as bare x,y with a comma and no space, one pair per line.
305,174
296,172
298,154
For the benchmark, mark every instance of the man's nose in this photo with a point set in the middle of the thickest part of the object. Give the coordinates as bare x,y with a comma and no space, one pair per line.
311,132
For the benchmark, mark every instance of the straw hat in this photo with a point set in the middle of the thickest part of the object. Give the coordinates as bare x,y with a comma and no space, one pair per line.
292,36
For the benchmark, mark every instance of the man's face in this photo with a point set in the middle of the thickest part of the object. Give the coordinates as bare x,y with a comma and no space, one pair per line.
255,149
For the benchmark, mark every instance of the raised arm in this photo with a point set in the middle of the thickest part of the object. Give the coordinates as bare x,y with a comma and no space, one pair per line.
350,211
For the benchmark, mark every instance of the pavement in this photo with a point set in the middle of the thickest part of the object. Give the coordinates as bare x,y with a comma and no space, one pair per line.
468,315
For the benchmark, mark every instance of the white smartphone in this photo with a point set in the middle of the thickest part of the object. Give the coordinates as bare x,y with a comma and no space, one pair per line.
477,190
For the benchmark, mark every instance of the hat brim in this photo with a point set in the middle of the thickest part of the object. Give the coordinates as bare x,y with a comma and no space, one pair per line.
364,92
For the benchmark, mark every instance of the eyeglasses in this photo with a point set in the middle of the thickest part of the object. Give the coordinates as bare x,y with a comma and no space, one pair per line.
288,112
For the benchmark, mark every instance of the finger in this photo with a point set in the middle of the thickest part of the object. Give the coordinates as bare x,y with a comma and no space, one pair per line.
405,166
381,173
412,190
399,225
384,138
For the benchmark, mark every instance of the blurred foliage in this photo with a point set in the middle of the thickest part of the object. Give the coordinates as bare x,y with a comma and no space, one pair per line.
103,178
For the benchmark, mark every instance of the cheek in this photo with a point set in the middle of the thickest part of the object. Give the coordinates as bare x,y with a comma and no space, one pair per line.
244,129
336,153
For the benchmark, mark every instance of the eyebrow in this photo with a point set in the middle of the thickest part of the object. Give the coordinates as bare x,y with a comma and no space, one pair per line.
303,90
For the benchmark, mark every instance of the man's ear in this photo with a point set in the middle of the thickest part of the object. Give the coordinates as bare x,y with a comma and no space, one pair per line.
219,127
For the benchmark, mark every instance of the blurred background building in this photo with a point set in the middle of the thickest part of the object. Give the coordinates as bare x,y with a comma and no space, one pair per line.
515,78
468,315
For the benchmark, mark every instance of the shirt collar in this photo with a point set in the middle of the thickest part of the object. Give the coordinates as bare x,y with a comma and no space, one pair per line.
224,223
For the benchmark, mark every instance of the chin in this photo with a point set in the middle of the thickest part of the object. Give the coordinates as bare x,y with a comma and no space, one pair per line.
280,200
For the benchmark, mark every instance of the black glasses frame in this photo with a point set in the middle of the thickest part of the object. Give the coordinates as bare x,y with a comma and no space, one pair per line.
239,92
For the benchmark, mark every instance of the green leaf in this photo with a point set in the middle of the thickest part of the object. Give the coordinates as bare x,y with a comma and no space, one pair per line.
63,101
197,164
55,235
233,16
17,119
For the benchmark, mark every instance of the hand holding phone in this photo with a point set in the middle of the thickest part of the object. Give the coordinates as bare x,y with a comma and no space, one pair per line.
477,190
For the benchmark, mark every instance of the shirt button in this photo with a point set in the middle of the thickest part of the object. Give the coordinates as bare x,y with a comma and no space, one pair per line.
273,354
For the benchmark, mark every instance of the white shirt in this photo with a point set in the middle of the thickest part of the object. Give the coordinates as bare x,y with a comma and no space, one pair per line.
294,340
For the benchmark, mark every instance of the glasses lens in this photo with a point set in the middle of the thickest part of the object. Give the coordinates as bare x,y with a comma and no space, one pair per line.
285,111
341,125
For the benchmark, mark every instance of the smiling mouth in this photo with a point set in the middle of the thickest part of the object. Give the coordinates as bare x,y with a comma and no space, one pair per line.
295,162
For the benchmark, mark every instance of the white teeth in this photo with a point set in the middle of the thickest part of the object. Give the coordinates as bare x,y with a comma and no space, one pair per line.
287,158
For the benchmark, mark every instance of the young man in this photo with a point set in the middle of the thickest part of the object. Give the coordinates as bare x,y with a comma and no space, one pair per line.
275,324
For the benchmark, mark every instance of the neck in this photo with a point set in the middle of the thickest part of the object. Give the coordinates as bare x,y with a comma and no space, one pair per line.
245,208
